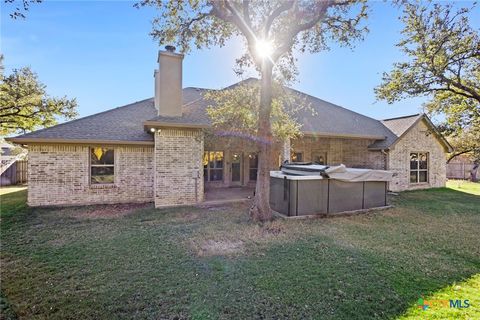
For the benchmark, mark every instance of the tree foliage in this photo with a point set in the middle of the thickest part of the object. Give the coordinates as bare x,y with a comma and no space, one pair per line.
465,142
286,25
25,105
21,7
444,63
234,111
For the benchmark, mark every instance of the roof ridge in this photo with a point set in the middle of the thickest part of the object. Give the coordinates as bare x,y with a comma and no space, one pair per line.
198,88
404,117
333,104
82,118
306,94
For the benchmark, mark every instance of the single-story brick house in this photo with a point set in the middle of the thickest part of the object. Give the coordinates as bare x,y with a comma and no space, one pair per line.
155,149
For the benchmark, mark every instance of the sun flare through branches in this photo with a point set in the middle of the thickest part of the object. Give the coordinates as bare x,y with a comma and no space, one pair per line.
264,48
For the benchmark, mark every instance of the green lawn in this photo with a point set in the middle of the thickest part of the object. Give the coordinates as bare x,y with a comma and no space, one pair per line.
129,262
464,186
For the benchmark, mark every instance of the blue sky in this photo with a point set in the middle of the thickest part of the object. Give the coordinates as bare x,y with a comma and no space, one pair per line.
101,53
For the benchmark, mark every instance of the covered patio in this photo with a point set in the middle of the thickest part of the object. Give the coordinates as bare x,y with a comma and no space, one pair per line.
229,194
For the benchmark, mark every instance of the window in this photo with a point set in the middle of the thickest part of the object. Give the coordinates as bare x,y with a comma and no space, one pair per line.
297,157
213,166
319,157
253,165
102,167
418,167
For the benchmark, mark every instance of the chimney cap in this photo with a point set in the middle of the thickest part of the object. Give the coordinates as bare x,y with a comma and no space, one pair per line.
170,48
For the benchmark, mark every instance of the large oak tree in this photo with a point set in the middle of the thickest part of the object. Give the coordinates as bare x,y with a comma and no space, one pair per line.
273,31
443,62
26,106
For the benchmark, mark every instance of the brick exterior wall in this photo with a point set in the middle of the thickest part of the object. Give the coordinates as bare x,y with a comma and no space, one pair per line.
171,172
351,152
178,167
59,175
417,139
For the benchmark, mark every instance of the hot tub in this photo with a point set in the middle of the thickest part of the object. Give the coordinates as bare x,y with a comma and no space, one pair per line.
309,189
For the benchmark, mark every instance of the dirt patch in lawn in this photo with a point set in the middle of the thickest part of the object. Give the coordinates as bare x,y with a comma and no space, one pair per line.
59,242
110,211
185,217
235,239
218,247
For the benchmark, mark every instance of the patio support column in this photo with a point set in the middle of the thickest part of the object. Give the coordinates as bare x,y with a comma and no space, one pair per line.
286,150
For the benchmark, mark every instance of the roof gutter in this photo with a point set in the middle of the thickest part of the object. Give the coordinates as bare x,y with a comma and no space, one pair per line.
343,135
156,124
78,141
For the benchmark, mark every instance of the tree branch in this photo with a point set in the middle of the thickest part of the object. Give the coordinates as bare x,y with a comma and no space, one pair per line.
473,94
320,13
459,153
286,5
233,18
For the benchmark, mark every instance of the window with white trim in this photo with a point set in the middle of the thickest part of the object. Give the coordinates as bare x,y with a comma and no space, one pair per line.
418,167
102,165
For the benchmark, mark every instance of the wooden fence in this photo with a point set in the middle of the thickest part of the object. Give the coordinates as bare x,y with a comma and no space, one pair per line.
459,170
17,173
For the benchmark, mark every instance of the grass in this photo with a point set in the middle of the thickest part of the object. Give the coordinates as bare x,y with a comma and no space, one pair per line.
464,186
212,263
11,189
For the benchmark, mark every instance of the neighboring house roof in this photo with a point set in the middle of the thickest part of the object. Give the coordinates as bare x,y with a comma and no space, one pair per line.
401,125
129,124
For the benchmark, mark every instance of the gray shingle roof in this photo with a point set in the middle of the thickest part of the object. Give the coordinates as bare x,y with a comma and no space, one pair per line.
397,127
322,117
119,124
127,123
193,112
330,119
401,124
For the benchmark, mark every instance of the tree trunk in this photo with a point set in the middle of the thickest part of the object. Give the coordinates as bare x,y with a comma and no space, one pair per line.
473,173
260,210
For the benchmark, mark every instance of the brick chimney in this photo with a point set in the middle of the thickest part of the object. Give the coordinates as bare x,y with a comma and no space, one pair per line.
168,83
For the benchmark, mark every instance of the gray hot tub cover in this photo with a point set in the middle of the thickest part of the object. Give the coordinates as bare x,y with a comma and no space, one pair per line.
343,173
340,172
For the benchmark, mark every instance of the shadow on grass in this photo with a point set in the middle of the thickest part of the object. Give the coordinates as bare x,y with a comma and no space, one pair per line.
139,265
6,311
13,205
318,278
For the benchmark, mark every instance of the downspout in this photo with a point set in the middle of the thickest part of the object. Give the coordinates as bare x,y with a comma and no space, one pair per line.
155,134
385,153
